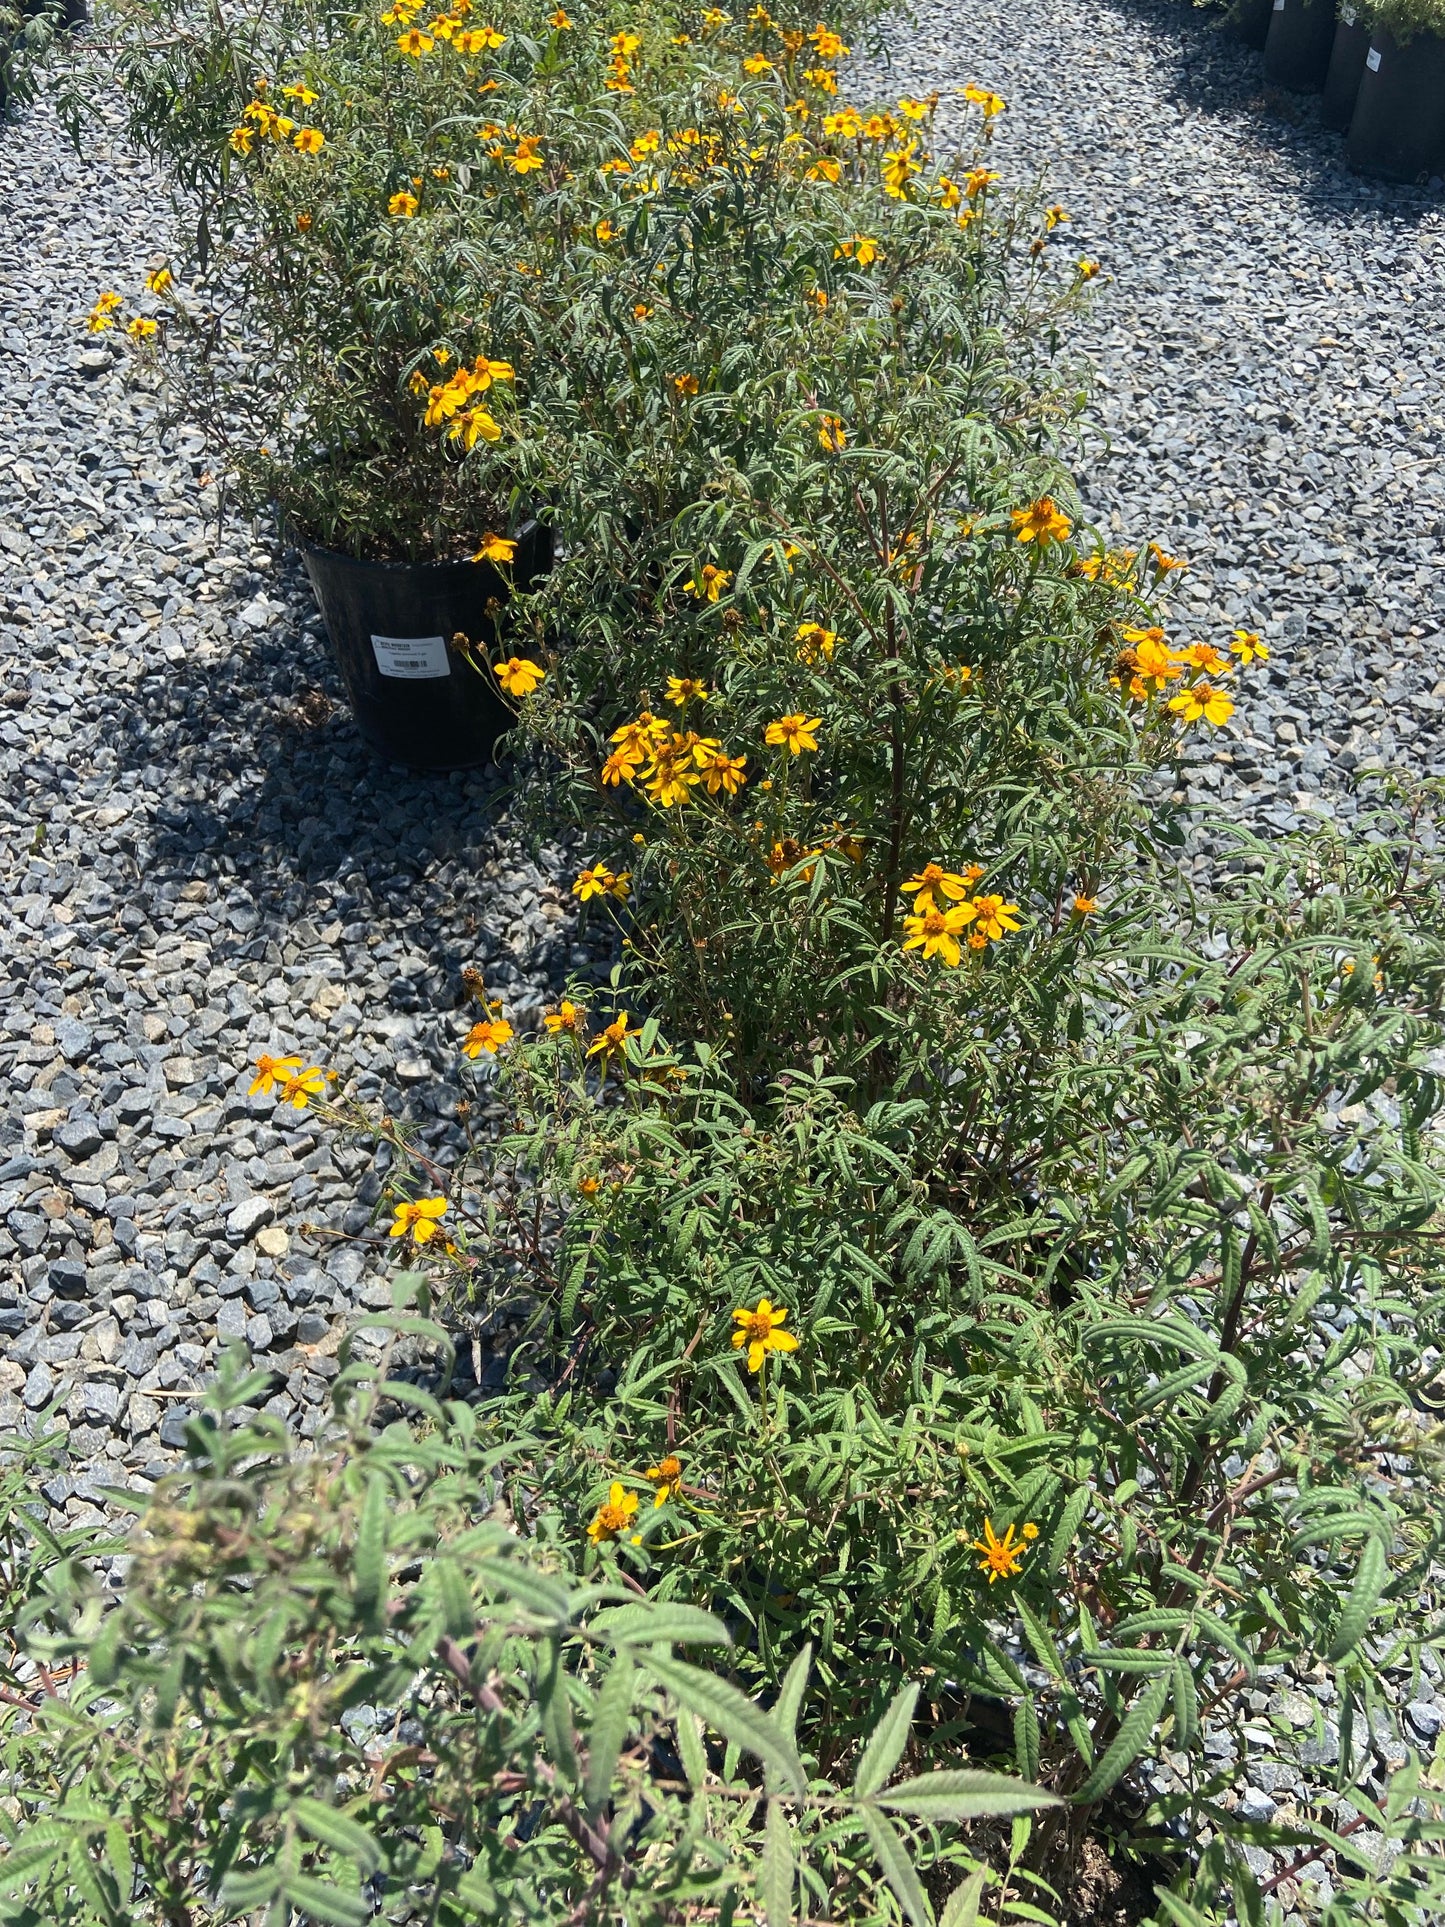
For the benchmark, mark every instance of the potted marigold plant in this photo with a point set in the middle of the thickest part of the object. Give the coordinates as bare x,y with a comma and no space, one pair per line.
1398,128
1347,64
1300,43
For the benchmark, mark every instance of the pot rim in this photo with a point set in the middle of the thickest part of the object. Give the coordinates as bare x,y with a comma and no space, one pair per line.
409,568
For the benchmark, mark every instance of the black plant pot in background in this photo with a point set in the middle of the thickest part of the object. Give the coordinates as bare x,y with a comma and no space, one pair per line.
1250,21
416,698
1347,63
1398,129
1301,39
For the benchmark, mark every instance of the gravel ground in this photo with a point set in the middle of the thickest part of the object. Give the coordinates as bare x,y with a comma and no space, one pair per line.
1269,375
1269,366
200,862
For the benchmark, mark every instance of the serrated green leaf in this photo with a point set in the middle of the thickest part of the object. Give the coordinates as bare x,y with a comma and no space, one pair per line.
775,1870
611,1720
898,1869
887,1742
1129,1742
964,1793
332,1906
337,1830
961,1908
732,1713
664,1624
1354,1622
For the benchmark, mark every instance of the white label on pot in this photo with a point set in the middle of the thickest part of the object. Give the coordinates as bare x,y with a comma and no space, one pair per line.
412,658
1372,60
1279,6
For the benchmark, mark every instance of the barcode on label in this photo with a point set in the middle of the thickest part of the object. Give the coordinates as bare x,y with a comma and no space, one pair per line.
1372,60
411,658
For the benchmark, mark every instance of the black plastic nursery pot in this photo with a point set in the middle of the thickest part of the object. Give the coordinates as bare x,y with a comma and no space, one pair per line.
1250,21
1301,40
1398,129
1347,64
416,697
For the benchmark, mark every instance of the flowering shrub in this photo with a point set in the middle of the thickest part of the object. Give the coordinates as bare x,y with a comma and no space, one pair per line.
340,1689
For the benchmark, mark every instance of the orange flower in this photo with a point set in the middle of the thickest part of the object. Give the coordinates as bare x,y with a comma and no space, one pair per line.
1042,522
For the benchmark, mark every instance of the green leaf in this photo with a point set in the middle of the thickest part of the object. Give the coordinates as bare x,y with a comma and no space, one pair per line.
554,1704
1186,1706
540,1595
332,1906
1370,1580
1129,1742
1070,1520
252,1888
732,1713
787,1706
610,1723
964,1793
689,1745
898,1869
368,1583
886,1745
961,1909
664,1624
338,1830
775,1871
1026,1739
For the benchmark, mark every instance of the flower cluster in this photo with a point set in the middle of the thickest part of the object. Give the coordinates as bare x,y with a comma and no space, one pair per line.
453,402
287,1080
669,762
1146,667
261,121
945,910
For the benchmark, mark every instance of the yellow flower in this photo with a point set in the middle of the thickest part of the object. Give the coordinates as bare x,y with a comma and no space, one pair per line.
991,103
101,315
403,205
519,676
241,139
559,20
567,1017
1248,647
1053,216
489,1036
526,159
415,42
641,311
947,192
830,45
719,770
1042,521
495,548
613,1040
862,251
303,226
420,1219
1001,1557
1165,563
308,140
159,281
598,881
710,585
899,168
1085,906
845,124
1087,270
936,932
686,689
814,641
299,1088
917,109
271,1072
685,385
666,1476
794,733
996,919
933,877
589,1186
1149,658
300,91
976,181
615,1516
605,232
141,328
1203,700
473,427
759,1331
1203,655
822,78
757,64
831,434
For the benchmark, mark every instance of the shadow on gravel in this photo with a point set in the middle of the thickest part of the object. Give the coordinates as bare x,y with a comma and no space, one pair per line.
1206,70
254,758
